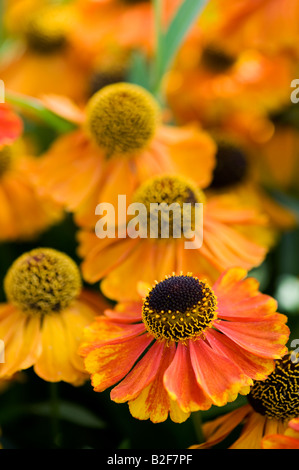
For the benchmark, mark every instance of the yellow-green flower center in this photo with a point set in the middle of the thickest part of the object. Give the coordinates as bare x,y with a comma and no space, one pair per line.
5,159
179,308
122,118
277,397
170,203
45,30
42,281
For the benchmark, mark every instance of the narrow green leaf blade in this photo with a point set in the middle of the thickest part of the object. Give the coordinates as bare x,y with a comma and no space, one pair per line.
183,20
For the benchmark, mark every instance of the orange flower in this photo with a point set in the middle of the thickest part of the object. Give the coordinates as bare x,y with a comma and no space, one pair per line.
44,59
241,171
288,440
120,143
210,84
106,24
233,233
24,214
273,404
244,25
186,347
42,322
284,141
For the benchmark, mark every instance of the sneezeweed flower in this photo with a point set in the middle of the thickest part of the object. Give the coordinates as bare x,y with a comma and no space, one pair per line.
284,140
185,346
228,233
24,214
254,25
120,142
44,61
42,321
272,405
210,84
106,24
240,171
288,440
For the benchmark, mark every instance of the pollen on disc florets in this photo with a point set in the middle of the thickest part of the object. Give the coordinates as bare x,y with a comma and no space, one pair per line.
42,281
122,118
179,308
5,159
46,29
277,397
162,193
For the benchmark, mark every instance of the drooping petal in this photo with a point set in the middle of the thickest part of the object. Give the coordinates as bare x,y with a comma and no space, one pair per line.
154,402
263,338
141,375
255,367
180,382
218,376
54,363
252,433
198,151
217,430
104,331
108,364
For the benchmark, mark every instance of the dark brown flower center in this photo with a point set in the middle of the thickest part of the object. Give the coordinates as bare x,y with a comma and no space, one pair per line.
179,308
277,397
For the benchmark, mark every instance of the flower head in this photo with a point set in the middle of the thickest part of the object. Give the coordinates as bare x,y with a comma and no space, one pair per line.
42,281
272,406
122,118
177,211
42,321
185,346
121,141
45,29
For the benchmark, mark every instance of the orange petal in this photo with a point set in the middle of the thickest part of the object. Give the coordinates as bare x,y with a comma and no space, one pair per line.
218,376
101,262
253,366
192,152
180,382
21,336
217,430
264,338
276,441
140,377
154,402
108,364
54,363
11,125
104,331
64,107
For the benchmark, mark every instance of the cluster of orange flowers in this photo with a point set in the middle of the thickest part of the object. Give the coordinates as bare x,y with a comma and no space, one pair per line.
172,330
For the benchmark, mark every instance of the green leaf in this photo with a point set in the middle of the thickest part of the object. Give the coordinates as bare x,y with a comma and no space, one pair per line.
70,412
35,108
168,43
139,70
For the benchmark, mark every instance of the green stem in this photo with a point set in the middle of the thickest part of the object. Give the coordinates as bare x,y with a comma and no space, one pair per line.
197,423
158,60
54,404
